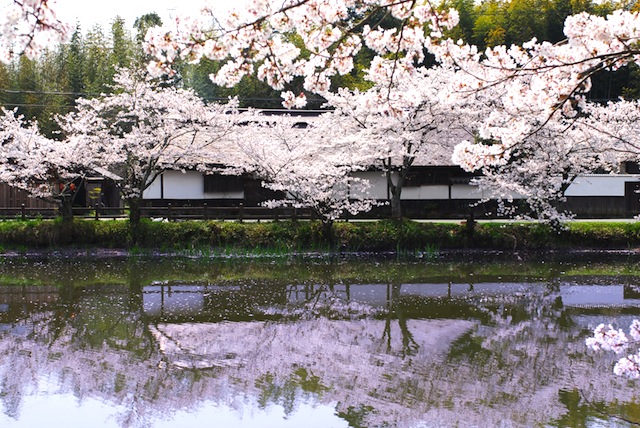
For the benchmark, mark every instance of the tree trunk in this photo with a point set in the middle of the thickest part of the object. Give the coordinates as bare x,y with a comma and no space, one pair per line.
327,233
395,192
134,221
65,208
396,207
134,210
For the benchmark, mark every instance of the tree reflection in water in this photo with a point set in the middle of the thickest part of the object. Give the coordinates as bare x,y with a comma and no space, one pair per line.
488,352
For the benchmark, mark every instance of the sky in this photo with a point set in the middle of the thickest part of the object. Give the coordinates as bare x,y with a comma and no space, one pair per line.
88,12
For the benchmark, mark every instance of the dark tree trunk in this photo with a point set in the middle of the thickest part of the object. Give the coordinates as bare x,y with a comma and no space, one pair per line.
65,208
327,233
396,207
134,221
470,228
395,192
134,210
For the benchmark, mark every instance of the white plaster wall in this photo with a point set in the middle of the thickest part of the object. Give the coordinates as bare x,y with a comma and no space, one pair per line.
227,195
600,185
436,191
153,191
187,185
588,185
378,189
465,191
190,185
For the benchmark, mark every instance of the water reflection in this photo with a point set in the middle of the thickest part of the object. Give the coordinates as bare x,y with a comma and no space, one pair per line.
331,343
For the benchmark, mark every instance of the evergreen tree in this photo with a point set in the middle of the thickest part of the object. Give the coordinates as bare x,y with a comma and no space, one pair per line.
122,47
97,72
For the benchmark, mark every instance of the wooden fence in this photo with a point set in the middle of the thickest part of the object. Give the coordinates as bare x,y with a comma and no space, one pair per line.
169,213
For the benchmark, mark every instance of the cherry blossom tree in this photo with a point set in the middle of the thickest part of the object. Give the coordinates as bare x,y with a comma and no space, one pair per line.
536,79
402,120
547,76
539,74
329,33
144,129
309,159
541,85
537,168
614,126
27,26
45,168
523,88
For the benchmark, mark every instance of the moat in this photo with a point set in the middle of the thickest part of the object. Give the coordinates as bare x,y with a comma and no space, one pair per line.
486,341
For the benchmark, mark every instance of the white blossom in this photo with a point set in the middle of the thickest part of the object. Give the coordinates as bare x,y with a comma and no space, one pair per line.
28,26
43,167
310,160
143,129
607,338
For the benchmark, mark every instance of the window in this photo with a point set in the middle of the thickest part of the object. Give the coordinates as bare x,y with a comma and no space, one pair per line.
631,168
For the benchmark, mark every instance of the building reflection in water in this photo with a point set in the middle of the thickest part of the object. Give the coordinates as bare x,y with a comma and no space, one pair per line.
399,354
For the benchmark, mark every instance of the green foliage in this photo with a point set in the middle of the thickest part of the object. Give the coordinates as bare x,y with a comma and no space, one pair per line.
604,235
405,237
83,67
581,412
251,91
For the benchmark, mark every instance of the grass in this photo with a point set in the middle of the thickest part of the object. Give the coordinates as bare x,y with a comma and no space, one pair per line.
215,238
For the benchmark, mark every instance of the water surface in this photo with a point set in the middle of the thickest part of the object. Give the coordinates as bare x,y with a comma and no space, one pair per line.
484,341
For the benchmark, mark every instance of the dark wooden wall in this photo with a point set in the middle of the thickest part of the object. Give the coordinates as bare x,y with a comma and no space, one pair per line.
10,197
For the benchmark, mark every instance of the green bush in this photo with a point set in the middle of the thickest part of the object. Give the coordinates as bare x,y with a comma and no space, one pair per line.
301,236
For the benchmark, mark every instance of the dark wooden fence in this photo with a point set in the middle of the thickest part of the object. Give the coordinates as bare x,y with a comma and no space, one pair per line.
170,213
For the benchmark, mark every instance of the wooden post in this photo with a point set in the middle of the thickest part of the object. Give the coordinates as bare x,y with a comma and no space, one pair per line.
23,212
97,212
240,212
169,214
205,212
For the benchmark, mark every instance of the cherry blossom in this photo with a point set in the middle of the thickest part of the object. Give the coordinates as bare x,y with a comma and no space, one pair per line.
515,91
539,82
538,168
400,122
629,366
143,129
27,26
309,159
258,37
293,101
614,127
607,338
45,168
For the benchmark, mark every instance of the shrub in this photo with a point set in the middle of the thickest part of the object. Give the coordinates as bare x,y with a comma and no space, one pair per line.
296,236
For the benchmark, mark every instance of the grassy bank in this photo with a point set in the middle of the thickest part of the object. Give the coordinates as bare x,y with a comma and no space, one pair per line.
287,237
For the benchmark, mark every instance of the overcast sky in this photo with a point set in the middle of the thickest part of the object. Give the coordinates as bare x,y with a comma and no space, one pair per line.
90,12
